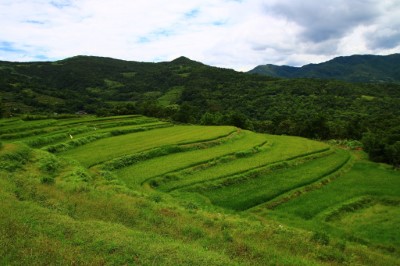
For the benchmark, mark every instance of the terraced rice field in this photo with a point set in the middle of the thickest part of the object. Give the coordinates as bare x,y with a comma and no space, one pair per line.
304,182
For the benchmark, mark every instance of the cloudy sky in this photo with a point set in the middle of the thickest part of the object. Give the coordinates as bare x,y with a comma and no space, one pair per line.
237,34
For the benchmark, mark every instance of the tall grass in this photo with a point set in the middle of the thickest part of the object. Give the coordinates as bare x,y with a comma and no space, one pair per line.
13,157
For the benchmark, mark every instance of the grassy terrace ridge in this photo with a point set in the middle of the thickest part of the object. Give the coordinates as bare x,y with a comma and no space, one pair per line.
265,187
134,190
109,148
94,135
282,148
146,170
126,161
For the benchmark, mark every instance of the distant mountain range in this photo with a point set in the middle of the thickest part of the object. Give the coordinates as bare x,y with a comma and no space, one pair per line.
355,68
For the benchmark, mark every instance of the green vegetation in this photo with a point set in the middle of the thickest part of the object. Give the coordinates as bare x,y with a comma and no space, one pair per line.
134,175
362,205
109,148
190,92
267,185
283,148
189,195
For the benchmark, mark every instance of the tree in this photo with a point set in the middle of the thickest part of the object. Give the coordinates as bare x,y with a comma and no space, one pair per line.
211,118
185,114
374,145
238,119
393,152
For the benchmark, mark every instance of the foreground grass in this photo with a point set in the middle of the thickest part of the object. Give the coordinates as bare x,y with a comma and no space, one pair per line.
362,206
55,210
74,220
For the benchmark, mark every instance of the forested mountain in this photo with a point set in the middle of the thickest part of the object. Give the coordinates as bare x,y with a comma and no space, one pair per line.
191,92
355,68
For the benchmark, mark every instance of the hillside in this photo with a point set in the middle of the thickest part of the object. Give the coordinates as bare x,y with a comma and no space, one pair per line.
134,190
355,68
190,92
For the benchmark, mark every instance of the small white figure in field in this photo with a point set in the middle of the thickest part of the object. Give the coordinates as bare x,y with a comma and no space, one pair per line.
70,136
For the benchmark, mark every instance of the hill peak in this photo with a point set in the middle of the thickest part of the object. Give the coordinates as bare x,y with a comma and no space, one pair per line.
182,60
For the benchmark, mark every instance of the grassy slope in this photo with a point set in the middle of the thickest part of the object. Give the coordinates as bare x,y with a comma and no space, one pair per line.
362,204
54,210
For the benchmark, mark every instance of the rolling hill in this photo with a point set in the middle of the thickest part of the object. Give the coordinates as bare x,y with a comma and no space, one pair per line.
355,68
134,190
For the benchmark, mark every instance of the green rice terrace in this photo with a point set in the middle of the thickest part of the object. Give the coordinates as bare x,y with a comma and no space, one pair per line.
134,190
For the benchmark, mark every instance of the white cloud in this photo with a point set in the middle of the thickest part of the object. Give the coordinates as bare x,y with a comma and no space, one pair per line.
226,33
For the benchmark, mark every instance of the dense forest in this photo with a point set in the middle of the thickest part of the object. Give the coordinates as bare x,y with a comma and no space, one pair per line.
191,92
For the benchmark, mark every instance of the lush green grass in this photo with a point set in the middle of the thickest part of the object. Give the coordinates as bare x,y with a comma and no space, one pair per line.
30,131
77,221
88,135
364,179
378,223
353,206
107,149
20,125
54,210
267,186
137,173
282,148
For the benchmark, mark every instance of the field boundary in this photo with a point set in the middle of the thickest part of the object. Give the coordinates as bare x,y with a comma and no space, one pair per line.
311,186
65,146
198,164
255,170
128,160
355,204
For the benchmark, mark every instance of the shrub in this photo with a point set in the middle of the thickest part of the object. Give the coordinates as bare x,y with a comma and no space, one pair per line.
14,160
82,175
49,164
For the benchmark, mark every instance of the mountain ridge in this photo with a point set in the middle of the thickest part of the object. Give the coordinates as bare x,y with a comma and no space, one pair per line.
354,68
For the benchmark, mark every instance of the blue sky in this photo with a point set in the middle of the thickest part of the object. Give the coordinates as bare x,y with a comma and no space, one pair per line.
225,33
